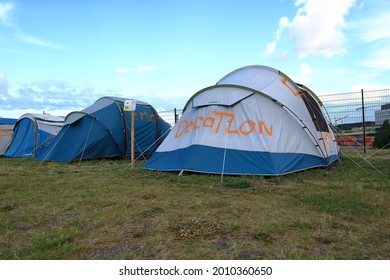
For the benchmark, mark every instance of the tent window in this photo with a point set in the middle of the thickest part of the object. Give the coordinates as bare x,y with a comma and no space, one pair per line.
315,112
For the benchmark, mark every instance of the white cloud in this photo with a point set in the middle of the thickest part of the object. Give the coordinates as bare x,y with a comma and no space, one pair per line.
378,59
5,9
48,95
375,24
3,85
121,70
3,78
282,55
305,69
304,76
270,48
340,71
32,40
143,69
373,31
284,23
317,28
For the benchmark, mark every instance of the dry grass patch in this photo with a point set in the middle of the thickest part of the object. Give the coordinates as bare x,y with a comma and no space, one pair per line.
196,228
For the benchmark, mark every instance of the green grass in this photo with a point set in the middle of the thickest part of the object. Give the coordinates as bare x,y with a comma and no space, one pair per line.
102,209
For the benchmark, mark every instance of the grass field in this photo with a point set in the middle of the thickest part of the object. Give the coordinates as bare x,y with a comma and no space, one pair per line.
102,209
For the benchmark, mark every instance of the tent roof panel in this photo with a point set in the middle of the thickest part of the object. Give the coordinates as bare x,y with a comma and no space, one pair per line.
264,79
99,104
223,96
44,117
7,121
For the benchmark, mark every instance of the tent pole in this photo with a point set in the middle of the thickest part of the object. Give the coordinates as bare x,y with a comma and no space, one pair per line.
224,154
86,141
132,139
35,138
126,132
363,123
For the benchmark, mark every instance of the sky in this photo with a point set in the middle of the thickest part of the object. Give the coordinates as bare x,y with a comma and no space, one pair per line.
59,56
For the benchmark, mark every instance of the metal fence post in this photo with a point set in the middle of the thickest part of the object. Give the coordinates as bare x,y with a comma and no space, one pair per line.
364,123
174,112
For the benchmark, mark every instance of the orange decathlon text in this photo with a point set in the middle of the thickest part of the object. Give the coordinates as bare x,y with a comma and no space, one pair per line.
219,121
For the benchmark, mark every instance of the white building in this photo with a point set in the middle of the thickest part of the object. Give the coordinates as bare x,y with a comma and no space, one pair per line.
382,115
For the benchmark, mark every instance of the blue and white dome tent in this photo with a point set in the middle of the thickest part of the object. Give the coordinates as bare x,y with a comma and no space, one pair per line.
255,120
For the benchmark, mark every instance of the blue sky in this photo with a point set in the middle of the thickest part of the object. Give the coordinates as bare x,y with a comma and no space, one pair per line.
58,56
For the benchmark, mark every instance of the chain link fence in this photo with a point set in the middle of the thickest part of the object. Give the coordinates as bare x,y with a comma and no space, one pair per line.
171,116
357,116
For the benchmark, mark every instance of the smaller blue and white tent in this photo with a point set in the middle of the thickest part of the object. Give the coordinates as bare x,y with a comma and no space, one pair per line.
32,134
103,130
6,131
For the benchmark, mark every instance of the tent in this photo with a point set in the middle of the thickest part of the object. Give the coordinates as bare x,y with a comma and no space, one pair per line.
6,131
104,130
255,120
32,134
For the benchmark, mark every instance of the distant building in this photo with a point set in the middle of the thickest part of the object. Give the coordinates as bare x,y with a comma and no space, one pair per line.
385,107
382,115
